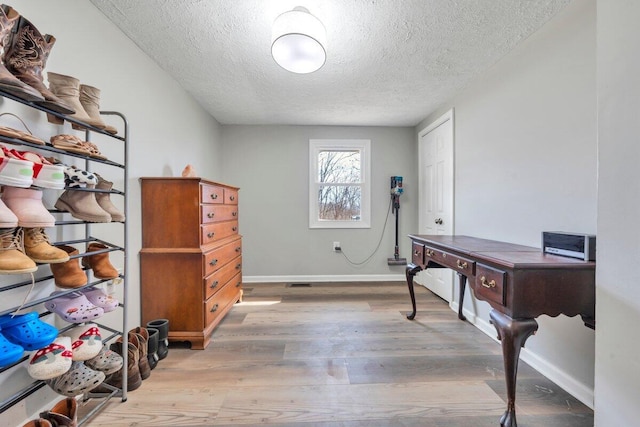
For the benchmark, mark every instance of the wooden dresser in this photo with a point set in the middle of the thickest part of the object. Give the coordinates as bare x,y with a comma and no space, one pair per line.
191,256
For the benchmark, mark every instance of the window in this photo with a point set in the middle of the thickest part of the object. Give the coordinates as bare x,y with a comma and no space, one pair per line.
339,187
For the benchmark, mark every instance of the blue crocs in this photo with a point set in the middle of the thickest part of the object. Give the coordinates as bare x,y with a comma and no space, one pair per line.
27,330
9,353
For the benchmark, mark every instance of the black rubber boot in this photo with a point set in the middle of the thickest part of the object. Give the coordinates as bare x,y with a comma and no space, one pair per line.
162,325
152,346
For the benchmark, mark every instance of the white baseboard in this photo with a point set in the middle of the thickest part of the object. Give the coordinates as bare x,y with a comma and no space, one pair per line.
568,383
332,278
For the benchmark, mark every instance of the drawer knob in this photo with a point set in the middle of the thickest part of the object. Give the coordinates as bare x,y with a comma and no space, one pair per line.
429,252
214,196
238,284
213,262
416,253
214,308
234,213
210,234
234,229
232,198
210,215
238,266
213,284
461,265
238,249
487,284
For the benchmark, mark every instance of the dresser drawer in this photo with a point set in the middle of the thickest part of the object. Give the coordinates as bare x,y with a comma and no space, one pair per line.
211,194
215,213
216,258
217,231
214,282
460,264
230,196
490,284
215,305
417,254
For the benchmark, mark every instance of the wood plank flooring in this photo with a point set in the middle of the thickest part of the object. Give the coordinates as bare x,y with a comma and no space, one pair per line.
340,355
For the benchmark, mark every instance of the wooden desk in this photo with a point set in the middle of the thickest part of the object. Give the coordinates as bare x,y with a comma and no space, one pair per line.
519,282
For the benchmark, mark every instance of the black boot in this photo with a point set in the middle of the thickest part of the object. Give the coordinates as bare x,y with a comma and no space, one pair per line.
162,325
152,345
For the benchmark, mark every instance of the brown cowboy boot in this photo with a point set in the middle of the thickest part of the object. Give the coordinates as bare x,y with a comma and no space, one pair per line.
8,82
25,56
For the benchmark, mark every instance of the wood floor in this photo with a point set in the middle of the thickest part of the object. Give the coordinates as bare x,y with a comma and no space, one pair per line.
340,355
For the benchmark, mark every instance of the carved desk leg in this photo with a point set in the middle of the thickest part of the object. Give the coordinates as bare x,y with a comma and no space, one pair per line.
512,333
463,284
411,271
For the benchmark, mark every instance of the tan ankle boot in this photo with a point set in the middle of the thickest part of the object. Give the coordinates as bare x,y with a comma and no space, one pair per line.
8,82
25,56
69,274
82,205
67,88
99,263
12,257
38,248
104,199
90,100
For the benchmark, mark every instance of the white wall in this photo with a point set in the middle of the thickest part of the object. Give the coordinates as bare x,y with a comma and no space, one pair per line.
617,372
270,165
168,129
525,162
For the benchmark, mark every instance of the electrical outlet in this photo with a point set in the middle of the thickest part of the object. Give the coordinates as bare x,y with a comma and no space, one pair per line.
336,247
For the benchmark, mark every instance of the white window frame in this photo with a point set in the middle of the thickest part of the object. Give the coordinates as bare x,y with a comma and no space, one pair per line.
364,147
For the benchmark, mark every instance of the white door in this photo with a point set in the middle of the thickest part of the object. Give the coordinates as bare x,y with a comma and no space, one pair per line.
436,196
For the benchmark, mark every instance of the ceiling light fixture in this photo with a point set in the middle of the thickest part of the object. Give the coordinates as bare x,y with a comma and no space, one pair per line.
298,41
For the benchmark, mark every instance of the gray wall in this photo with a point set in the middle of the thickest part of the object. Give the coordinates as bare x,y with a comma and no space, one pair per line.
270,164
526,162
618,308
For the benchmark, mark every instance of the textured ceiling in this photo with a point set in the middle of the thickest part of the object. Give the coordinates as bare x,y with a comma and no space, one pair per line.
389,62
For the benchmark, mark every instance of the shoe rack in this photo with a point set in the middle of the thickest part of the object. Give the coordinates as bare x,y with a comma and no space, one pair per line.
63,219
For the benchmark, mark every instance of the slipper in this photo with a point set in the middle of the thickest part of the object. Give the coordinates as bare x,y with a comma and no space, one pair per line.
107,361
86,341
17,134
27,330
51,361
99,298
77,380
69,143
10,353
74,308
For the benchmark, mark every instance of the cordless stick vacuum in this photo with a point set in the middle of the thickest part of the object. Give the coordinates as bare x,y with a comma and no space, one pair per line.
396,191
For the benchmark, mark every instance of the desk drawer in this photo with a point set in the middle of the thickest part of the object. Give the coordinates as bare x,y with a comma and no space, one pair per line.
460,264
214,282
417,251
213,213
218,257
211,194
490,284
214,306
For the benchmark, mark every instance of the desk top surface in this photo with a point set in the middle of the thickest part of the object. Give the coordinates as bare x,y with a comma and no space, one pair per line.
506,254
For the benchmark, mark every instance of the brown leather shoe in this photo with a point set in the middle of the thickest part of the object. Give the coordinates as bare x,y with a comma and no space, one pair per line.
8,82
38,423
25,56
139,337
63,414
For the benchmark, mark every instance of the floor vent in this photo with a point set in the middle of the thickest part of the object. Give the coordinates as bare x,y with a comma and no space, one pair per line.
299,285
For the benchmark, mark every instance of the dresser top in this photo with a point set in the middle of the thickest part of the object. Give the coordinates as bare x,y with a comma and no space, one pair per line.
185,179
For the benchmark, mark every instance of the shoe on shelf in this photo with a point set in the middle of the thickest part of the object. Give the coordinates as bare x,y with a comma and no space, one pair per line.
134,380
77,380
99,263
82,205
85,340
26,204
68,274
45,174
63,414
26,135
107,361
38,423
90,100
67,88
27,330
12,257
73,308
14,171
10,353
27,64
99,298
104,199
8,82
7,218
38,248
51,361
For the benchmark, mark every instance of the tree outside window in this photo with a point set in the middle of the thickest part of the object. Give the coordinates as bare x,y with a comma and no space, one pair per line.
339,184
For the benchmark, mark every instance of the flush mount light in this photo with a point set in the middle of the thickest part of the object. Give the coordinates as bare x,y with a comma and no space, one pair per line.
298,41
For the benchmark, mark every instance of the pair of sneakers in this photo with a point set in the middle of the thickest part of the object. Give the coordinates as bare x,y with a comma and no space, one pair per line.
27,168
